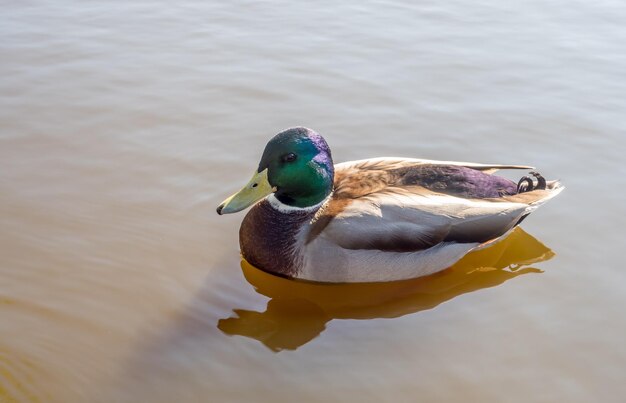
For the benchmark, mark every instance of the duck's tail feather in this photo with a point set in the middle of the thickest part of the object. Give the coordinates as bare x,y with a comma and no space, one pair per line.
542,189
553,188
540,193
535,198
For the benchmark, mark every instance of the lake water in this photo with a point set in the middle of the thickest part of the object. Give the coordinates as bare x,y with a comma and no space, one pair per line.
123,125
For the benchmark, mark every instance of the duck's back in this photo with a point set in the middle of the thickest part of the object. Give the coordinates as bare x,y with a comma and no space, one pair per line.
393,219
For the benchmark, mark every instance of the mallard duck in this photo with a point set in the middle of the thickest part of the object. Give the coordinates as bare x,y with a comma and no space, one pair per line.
373,220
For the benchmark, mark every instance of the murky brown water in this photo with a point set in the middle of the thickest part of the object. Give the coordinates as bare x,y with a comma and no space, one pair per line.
124,125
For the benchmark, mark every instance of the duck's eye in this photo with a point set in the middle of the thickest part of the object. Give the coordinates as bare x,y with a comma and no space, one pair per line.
289,157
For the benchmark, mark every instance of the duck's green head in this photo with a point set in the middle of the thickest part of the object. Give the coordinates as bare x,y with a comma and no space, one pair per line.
296,166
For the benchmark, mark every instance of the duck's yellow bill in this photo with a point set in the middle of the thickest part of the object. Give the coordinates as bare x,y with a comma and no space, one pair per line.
255,190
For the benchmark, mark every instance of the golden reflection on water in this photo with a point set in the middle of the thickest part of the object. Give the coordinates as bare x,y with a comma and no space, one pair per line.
298,311
16,379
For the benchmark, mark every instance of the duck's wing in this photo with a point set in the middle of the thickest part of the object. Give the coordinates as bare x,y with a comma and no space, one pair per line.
407,205
412,219
400,233
390,163
360,178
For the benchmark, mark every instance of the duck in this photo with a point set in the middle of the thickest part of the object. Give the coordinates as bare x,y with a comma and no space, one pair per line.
373,220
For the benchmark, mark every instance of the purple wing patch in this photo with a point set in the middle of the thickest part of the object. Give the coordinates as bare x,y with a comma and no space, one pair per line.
456,181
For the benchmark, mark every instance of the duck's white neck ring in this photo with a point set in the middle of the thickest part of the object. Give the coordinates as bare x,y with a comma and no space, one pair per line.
284,208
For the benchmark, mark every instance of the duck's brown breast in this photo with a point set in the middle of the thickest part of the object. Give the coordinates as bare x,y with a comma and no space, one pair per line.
268,238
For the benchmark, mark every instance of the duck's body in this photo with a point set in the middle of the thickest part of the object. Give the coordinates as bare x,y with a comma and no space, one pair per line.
382,219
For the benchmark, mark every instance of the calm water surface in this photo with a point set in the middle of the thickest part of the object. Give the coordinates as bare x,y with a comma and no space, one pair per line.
123,125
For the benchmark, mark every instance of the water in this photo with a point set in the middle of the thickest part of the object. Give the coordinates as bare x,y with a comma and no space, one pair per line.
124,125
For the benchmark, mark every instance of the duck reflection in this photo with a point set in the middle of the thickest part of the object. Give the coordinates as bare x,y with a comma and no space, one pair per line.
298,311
